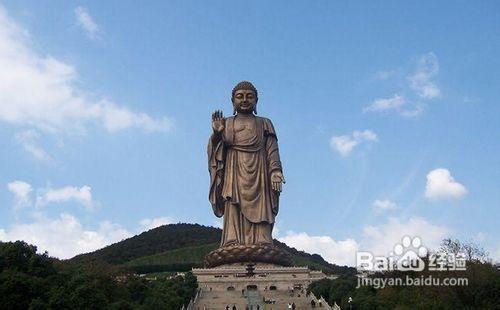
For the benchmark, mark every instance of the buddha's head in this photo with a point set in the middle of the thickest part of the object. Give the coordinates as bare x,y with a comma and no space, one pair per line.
244,98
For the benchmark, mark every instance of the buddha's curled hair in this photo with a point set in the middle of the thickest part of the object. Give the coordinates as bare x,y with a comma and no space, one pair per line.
246,86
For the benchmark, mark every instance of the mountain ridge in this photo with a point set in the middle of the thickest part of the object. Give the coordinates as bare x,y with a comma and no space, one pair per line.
180,247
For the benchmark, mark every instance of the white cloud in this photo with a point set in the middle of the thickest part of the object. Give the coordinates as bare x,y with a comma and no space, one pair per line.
343,144
22,194
21,191
421,81
495,255
480,237
220,224
346,143
82,195
87,23
418,88
29,140
384,74
337,252
39,91
381,239
366,135
65,237
116,118
383,205
393,103
414,112
441,185
147,224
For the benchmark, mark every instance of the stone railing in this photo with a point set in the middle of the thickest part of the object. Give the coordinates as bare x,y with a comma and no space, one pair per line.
193,301
322,304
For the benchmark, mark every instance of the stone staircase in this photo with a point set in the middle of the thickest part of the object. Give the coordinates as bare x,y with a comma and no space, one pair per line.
217,300
268,287
254,299
281,299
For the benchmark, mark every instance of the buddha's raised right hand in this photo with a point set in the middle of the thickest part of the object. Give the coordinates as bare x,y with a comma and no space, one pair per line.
218,122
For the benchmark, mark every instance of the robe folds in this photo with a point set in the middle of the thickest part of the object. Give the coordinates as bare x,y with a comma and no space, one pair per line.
240,162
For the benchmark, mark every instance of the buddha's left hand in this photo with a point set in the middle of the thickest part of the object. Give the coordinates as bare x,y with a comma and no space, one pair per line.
277,179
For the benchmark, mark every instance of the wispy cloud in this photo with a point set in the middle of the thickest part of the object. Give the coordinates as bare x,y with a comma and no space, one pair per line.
147,224
344,144
39,92
21,191
385,74
419,88
87,23
29,139
383,205
382,104
422,80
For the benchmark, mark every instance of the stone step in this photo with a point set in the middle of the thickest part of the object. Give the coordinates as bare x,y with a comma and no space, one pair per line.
218,300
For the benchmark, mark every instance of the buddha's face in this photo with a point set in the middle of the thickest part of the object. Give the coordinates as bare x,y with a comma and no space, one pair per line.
244,101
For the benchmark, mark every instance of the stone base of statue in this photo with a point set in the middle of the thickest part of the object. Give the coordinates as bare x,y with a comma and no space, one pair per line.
257,286
248,253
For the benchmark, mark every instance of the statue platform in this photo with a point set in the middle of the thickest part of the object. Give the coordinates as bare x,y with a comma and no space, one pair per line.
260,286
251,253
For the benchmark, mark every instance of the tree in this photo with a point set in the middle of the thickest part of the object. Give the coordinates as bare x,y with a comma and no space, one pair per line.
482,291
472,251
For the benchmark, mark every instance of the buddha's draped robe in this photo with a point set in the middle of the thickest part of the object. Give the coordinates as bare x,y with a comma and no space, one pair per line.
240,162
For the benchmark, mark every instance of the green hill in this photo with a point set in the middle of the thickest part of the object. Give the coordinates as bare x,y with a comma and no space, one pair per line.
179,247
154,241
175,260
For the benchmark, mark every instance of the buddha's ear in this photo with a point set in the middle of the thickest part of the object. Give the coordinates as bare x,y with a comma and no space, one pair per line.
234,108
255,109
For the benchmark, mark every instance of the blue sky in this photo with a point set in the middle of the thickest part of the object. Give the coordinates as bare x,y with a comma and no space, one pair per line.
387,116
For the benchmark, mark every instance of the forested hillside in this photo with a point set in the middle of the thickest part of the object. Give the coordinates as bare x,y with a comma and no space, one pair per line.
481,291
154,241
179,247
36,281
